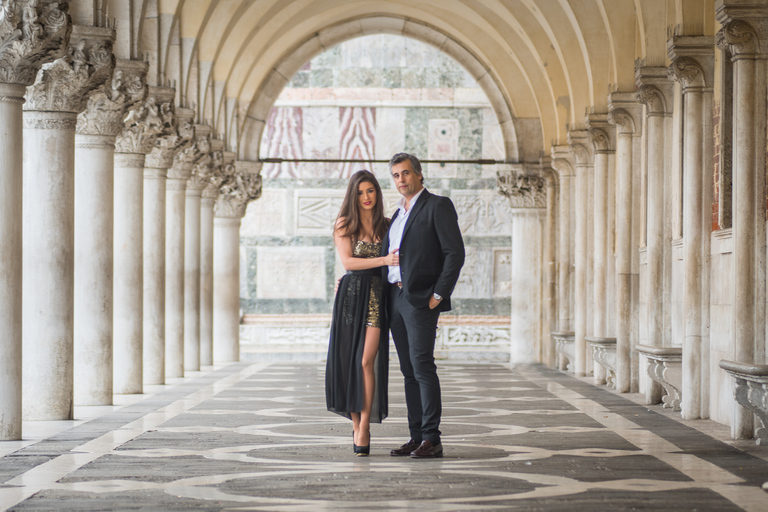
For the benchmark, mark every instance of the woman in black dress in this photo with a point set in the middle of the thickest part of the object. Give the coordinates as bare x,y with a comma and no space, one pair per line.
358,351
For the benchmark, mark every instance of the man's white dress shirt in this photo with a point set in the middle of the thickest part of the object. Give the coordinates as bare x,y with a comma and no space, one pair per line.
396,234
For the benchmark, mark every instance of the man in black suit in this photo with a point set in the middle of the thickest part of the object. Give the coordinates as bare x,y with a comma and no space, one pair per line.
425,229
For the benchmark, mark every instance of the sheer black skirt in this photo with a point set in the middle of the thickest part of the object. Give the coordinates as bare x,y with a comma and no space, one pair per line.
344,369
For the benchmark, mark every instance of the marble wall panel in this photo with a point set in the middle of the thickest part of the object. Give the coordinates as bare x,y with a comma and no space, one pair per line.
357,138
283,138
482,212
493,140
443,142
320,139
390,138
266,217
315,211
291,273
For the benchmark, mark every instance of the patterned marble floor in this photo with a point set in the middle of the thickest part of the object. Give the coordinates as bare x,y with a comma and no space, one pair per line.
249,437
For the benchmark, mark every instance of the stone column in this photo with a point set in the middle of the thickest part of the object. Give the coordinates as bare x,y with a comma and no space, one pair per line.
746,40
550,256
234,196
527,194
156,166
195,186
697,97
654,91
53,102
561,161
580,147
222,168
624,186
134,142
38,41
175,202
602,147
97,129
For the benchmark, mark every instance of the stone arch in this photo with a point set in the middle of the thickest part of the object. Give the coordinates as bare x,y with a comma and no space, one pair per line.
252,126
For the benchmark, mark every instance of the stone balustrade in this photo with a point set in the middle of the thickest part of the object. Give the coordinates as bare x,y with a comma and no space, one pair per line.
565,345
751,392
604,357
665,366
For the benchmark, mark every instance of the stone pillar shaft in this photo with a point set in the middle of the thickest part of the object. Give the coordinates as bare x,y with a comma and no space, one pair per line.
154,275
206,281
526,277
11,176
94,189
692,235
623,261
192,298
48,272
128,273
600,250
550,255
174,277
226,290
580,296
564,254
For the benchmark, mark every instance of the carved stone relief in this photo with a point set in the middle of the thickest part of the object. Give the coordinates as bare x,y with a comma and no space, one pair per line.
316,211
290,273
482,212
475,281
502,272
475,336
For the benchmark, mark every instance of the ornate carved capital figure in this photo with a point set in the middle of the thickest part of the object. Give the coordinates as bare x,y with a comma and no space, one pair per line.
522,190
32,33
66,84
105,111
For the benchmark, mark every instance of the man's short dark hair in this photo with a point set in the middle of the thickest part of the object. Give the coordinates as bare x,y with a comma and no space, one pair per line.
402,157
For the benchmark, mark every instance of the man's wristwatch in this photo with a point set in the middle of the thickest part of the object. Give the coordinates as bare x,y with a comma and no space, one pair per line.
437,297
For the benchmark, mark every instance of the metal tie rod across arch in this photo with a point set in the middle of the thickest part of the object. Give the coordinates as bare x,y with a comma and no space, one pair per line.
344,161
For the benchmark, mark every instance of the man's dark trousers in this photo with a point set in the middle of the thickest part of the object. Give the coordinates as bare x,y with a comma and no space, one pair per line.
413,330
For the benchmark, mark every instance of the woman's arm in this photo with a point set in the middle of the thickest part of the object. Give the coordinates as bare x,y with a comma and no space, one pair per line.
344,247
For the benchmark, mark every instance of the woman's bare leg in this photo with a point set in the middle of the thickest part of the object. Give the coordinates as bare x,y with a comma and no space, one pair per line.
355,425
370,349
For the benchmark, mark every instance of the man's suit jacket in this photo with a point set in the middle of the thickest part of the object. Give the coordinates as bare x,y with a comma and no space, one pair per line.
431,251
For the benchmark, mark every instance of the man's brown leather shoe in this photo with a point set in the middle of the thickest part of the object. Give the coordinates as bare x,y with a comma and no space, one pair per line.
406,449
427,451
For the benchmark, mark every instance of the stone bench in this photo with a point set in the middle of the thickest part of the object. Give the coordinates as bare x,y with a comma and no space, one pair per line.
665,366
751,392
565,345
604,357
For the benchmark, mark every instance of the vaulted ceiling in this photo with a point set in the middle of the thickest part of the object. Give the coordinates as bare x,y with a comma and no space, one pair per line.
543,63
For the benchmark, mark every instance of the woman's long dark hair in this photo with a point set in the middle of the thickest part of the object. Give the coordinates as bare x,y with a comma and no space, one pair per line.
348,220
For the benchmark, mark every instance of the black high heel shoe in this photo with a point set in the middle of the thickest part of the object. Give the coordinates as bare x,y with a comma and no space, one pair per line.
363,451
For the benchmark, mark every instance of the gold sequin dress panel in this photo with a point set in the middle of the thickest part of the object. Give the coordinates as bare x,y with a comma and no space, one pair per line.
371,250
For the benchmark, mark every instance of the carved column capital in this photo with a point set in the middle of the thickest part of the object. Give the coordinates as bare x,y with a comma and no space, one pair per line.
105,111
144,122
580,147
652,98
202,161
65,84
688,72
522,189
32,33
601,133
219,174
171,137
623,120
237,191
